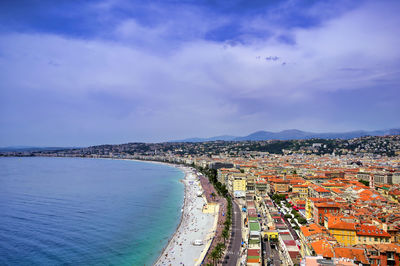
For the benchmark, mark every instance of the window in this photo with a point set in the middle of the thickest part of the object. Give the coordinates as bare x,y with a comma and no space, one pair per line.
376,239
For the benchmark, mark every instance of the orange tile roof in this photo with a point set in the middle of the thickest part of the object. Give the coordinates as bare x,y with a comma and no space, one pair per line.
313,229
278,180
371,230
336,222
356,254
391,247
321,190
300,186
331,184
323,248
343,226
337,190
329,204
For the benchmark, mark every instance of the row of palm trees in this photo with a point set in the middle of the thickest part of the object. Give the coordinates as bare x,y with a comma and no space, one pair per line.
218,251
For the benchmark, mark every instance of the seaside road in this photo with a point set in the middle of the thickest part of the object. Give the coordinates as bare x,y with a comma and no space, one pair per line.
233,252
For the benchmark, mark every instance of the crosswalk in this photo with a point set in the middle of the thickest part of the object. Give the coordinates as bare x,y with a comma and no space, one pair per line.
233,253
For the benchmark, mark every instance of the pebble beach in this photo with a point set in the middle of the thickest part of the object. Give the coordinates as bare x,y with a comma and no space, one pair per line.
195,225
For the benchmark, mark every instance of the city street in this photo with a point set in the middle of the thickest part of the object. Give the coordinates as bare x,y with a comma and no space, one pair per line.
292,231
233,251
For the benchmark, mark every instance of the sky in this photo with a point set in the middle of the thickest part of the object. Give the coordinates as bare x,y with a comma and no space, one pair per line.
79,73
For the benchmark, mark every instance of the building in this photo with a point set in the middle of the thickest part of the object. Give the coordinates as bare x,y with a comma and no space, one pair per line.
323,208
237,184
383,254
370,234
300,190
342,228
280,185
310,233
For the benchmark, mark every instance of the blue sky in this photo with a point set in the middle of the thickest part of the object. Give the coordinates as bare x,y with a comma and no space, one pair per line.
76,73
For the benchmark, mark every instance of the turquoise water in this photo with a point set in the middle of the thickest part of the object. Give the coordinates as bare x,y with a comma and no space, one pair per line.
70,211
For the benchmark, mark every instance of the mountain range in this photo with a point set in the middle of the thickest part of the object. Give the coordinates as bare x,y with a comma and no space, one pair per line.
296,134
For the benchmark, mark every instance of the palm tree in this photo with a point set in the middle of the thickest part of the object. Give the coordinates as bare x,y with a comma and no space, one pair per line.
227,222
219,249
225,235
214,255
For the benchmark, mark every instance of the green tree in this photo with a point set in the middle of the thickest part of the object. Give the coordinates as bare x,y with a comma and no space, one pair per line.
225,234
302,220
220,248
228,222
214,256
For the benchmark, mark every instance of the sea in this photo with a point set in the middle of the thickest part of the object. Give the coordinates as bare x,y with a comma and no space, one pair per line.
78,211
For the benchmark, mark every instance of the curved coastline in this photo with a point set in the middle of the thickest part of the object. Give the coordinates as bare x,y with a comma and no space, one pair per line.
202,226
194,224
174,203
186,170
197,224
180,221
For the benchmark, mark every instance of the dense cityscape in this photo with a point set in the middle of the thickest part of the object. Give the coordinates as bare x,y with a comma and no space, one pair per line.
200,132
331,201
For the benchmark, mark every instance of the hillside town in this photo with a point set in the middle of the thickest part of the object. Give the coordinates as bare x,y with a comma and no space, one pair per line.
299,206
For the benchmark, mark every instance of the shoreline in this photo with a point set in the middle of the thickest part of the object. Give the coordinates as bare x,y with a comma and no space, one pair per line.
194,224
186,170
208,231
180,221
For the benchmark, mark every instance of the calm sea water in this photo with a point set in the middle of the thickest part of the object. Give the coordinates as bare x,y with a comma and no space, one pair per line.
67,211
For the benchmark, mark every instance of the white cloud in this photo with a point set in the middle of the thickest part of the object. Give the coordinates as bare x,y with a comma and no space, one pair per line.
204,84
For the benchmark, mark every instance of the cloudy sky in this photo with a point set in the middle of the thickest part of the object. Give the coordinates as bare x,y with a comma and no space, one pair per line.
76,73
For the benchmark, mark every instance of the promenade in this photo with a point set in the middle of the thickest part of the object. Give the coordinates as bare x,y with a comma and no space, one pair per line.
213,198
